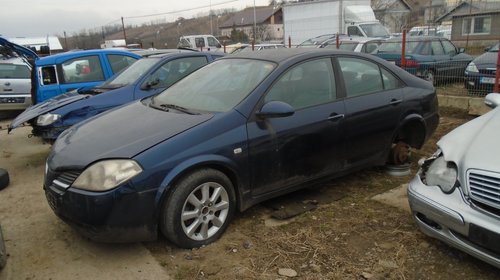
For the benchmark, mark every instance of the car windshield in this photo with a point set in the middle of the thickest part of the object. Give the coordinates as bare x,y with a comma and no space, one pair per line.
12,71
217,87
130,74
395,47
494,48
374,30
315,41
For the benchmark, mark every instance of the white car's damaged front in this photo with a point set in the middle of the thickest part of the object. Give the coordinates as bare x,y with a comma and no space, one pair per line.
455,196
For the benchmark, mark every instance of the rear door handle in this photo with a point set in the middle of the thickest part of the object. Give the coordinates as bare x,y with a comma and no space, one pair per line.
395,101
335,117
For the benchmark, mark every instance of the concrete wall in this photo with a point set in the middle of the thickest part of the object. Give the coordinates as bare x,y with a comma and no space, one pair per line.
474,105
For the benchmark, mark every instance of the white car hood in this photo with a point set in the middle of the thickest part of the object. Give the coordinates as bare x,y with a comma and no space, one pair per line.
475,144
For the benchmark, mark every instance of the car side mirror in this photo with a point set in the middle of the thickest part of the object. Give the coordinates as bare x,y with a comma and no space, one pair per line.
461,50
487,49
492,100
149,84
275,109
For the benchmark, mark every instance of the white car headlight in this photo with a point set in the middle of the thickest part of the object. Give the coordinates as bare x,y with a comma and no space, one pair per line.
441,173
106,175
472,68
47,119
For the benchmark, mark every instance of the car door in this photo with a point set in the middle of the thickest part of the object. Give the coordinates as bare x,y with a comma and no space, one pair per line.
458,61
168,73
440,59
287,151
373,100
83,71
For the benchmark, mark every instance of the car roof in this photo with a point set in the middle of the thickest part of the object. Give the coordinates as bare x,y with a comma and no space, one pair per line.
12,60
51,59
184,52
283,54
360,39
415,38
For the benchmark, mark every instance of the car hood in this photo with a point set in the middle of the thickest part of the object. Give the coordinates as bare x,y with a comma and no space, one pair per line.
45,107
120,133
486,60
474,144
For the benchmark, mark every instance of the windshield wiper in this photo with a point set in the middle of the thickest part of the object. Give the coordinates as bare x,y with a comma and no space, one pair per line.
166,108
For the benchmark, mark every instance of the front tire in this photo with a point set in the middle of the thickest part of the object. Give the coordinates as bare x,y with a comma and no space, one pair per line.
198,209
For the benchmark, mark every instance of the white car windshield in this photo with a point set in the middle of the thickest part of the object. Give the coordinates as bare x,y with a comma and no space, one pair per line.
217,87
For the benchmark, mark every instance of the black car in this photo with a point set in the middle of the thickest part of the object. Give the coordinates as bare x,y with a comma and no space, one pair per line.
480,73
243,129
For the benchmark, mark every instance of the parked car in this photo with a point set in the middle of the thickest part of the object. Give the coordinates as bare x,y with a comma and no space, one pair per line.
431,58
243,129
144,78
455,195
355,44
15,83
480,73
60,73
200,42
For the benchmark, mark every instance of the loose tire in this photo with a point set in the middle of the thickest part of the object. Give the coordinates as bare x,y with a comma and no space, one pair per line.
198,209
4,178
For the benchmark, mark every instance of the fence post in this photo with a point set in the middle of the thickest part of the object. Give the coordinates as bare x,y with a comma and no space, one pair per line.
224,44
403,50
497,75
337,42
289,42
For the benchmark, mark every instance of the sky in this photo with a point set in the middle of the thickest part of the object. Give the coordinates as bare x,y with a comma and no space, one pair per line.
28,18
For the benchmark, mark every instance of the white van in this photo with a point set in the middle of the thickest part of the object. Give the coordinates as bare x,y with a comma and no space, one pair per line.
200,42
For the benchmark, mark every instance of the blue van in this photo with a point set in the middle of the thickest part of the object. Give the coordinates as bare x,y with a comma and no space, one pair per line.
60,73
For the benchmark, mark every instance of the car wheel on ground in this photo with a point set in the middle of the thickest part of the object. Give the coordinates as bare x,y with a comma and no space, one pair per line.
4,178
198,209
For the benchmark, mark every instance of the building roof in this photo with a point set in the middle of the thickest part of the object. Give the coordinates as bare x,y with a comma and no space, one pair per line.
37,42
245,17
465,8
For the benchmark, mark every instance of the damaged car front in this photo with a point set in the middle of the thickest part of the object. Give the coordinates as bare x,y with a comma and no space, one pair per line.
455,197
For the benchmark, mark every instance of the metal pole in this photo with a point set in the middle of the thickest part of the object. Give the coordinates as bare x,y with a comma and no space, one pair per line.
497,75
403,50
124,34
211,29
254,22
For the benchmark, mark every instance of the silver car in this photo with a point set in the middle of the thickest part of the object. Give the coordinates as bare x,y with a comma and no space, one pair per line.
455,196
15,84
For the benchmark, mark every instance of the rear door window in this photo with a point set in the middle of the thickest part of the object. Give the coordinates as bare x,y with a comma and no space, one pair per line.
360,76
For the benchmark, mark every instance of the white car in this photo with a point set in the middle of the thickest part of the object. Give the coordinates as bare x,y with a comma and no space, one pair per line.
455,197
15,84
356,44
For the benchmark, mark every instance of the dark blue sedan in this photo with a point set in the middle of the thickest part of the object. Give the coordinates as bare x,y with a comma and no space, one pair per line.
238,131
146,77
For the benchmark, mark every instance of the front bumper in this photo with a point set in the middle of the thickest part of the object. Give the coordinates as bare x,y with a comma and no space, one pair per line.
453,220
477,83
114,216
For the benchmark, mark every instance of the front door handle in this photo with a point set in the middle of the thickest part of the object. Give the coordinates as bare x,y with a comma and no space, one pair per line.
395,101
335,117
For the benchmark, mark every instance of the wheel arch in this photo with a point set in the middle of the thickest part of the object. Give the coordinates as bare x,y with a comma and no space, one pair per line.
412,131
217,162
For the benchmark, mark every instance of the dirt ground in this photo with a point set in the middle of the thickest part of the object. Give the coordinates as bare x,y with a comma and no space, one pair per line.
345,234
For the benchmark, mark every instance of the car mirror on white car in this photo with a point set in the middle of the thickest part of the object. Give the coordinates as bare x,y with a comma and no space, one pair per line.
492,100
